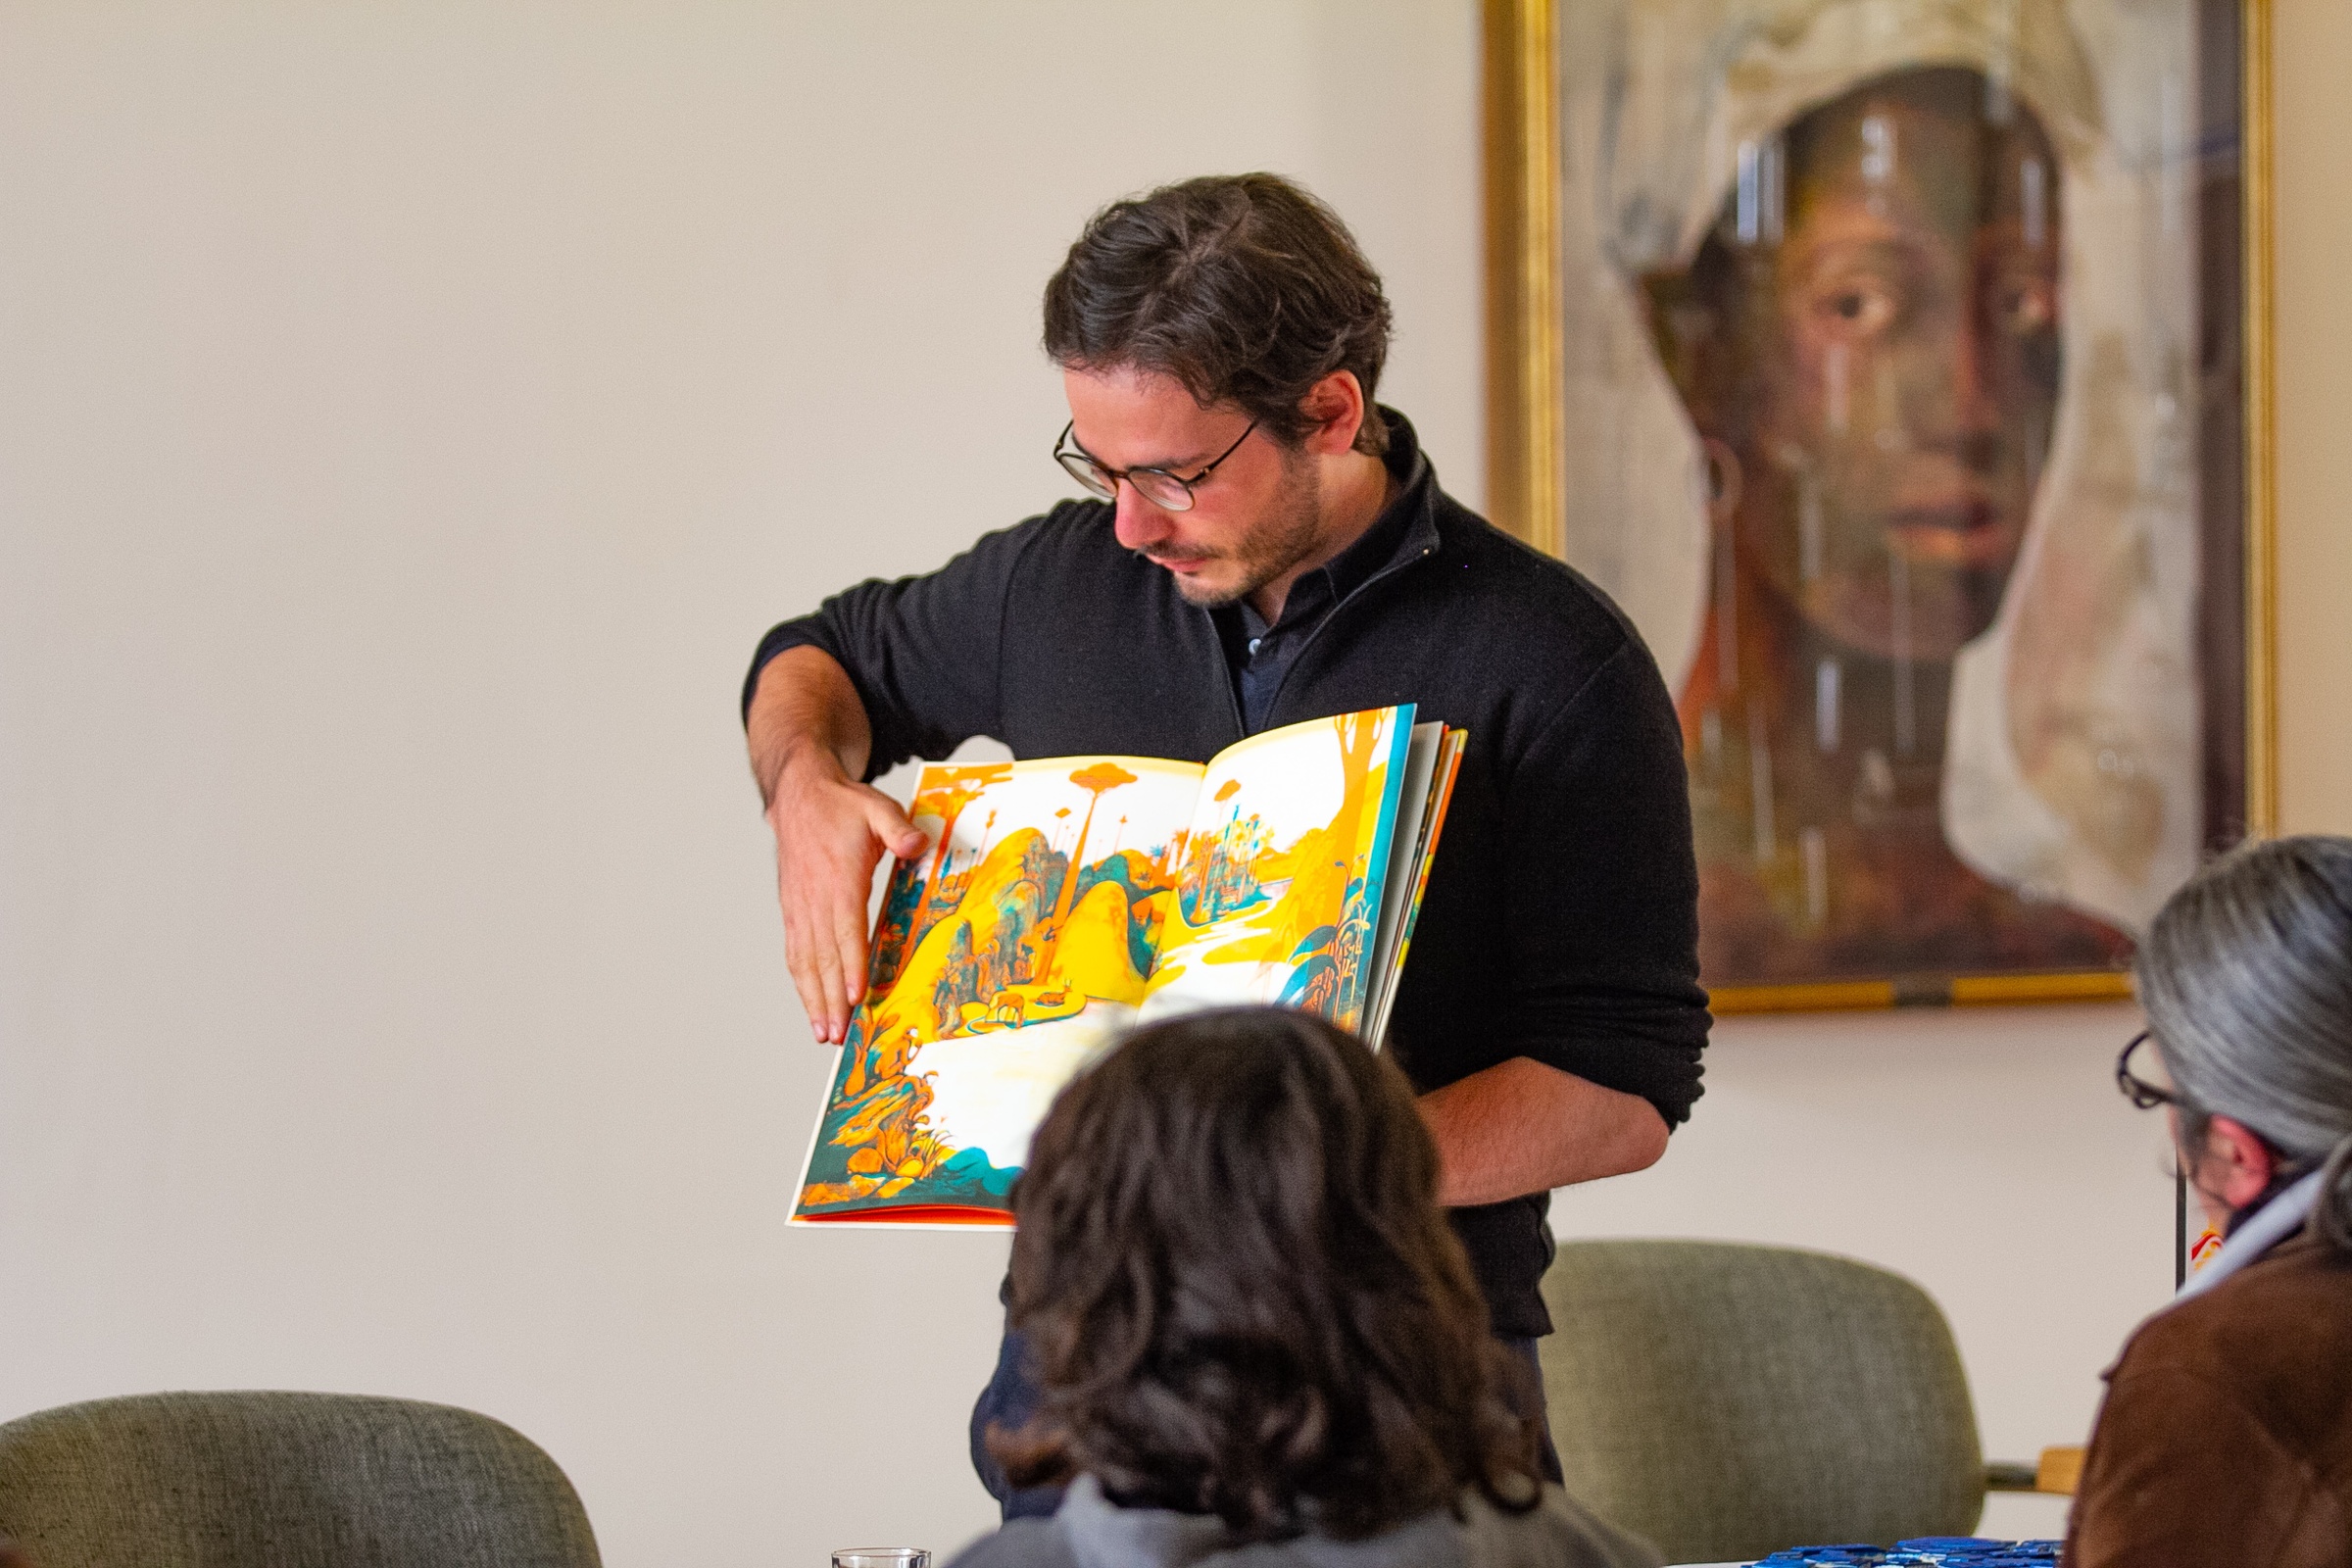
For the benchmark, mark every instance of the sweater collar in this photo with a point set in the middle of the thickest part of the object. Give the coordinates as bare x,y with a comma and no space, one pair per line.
1414,510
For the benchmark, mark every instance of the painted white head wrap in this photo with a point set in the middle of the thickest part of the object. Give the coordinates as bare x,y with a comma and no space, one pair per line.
2072,764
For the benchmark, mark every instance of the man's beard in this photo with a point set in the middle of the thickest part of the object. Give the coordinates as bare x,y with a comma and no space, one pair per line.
1284,536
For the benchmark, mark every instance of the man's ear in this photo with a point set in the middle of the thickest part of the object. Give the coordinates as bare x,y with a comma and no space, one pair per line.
1336,404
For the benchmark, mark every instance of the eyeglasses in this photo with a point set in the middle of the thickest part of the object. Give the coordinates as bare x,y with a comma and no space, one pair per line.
1170,492
2138,1089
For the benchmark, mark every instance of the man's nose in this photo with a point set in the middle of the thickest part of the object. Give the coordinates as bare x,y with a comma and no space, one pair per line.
1137,524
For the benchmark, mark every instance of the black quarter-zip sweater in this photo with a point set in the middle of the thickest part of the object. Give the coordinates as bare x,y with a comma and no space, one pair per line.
1560,921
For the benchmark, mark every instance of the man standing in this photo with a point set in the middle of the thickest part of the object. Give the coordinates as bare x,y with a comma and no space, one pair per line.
1271,546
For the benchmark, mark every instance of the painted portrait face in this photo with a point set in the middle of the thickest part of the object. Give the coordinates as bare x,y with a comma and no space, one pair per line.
1869,344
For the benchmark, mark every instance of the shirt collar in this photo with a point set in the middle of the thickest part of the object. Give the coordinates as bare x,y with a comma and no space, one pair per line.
2277,1219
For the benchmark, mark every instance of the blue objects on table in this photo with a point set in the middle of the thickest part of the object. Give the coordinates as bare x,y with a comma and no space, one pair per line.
1942,1551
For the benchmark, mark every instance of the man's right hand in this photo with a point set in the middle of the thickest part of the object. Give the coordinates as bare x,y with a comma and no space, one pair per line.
809,741
830,833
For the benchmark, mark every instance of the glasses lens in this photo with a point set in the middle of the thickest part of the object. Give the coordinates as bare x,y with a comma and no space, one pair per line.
2145,1094
1086,473
1162,490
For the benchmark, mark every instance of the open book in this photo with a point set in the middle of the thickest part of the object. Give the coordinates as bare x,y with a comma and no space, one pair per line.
1067,899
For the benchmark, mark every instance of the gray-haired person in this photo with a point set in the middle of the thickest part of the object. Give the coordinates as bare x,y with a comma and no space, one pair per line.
2227,1431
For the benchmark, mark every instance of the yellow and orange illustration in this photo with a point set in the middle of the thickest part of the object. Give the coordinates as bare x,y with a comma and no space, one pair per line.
1257,922
1060,897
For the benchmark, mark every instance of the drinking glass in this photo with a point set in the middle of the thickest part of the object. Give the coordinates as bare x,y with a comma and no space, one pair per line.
882,1557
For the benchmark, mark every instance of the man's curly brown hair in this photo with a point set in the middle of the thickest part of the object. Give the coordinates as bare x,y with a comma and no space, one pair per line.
1243,287
1243,1296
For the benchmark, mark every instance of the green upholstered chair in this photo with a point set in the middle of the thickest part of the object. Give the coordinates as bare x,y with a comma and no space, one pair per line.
1728,1401
283,1481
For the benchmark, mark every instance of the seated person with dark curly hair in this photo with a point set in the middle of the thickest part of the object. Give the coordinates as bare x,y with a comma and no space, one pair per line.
1258,1339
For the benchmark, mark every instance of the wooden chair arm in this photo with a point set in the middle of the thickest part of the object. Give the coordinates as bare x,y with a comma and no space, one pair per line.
2058,1471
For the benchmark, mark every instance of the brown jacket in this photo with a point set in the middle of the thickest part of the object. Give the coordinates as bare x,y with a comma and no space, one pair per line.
2227,1434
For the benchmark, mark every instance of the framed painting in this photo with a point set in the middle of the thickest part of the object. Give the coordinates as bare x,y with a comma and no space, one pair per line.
1901,369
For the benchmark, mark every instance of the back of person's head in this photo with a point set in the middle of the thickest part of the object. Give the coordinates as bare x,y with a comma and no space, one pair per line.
1242,1296
2246,976
1243,289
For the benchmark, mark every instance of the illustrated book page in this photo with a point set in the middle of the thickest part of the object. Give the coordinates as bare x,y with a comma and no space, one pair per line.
1065,898
1285,860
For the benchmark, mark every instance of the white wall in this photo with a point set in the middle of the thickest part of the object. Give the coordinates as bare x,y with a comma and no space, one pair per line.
409,416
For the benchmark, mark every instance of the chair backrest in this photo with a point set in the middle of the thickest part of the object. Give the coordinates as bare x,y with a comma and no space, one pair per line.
283,1481
1731,1401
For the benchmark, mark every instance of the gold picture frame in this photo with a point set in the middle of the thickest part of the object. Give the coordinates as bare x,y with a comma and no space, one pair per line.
1527,440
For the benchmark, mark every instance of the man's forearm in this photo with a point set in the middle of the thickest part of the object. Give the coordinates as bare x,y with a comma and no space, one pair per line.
804,699
1521,1127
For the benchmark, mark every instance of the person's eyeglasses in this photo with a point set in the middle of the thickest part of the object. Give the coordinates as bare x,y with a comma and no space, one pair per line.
2138,1089
1170,492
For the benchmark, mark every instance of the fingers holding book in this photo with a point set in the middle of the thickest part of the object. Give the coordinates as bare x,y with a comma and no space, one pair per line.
830,834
